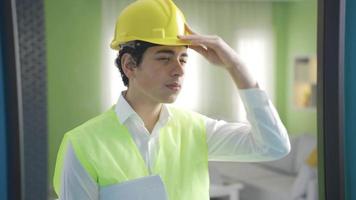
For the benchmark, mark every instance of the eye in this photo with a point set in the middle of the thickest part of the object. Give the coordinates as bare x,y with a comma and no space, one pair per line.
164,59
184,61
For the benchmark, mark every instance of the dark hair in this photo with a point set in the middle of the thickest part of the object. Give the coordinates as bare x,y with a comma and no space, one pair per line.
136,49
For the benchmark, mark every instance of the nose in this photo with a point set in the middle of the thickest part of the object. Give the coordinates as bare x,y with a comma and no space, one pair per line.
178,68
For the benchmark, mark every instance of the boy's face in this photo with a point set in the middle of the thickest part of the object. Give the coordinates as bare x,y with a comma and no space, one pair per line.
159,76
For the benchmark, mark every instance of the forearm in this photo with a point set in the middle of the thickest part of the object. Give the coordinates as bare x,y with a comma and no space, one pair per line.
264,138
242,76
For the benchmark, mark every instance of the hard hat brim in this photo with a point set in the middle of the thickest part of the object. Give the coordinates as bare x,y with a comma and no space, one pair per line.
166,42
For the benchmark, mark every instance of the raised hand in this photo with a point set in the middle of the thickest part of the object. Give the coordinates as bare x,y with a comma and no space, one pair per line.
213,48
216,51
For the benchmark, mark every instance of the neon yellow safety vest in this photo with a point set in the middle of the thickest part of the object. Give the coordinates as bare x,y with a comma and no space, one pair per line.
106,150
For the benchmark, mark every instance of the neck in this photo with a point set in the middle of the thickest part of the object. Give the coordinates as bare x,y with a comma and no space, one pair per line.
147,110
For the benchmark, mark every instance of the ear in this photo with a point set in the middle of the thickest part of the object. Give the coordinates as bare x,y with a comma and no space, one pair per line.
128,65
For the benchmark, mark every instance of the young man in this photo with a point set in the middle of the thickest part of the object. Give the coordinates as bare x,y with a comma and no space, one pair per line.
144,149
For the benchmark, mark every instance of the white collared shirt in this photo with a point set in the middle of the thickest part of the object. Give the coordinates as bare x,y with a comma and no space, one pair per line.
264,138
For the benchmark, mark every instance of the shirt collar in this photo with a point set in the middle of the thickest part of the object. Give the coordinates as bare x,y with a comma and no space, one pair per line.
124,111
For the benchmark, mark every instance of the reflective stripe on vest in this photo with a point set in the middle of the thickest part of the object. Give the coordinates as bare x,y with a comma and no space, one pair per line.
108,153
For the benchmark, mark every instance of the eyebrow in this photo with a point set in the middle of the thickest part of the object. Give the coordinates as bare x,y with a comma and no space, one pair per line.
170,52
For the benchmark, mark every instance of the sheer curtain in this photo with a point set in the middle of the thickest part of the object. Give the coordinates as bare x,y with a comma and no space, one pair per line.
110,76
245,25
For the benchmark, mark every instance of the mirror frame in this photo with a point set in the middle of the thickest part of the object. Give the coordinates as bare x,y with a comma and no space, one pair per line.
12,99
330,108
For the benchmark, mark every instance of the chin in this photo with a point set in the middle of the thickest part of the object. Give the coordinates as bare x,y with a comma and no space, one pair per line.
169,102
170,99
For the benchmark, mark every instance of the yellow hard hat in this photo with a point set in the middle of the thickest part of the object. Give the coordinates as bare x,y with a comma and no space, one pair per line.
154,21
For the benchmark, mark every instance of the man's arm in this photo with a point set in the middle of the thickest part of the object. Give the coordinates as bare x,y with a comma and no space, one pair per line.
266,137
76,183
263,139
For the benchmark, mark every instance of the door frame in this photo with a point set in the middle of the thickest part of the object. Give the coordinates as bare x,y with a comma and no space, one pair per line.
330,106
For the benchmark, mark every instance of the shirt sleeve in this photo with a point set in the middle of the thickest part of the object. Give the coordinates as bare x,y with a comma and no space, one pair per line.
264,138
76,183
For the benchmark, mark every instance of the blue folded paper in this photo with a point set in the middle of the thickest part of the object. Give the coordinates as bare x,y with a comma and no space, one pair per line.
145,188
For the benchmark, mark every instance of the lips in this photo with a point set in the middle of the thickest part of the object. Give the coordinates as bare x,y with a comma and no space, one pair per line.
174,86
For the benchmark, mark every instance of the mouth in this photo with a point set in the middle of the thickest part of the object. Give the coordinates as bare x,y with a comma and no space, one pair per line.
174,86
